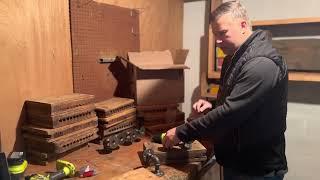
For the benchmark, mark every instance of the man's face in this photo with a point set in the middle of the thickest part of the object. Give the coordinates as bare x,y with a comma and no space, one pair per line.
228,32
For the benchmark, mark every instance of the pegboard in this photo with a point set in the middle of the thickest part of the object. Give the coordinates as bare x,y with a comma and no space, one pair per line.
98,31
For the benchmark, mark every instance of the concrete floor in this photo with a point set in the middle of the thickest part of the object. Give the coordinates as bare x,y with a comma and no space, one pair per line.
303,141
303,130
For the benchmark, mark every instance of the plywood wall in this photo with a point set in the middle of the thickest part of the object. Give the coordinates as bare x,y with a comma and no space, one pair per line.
36,50
35,59
160,22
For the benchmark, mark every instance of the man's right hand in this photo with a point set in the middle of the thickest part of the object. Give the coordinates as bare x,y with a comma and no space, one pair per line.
201,105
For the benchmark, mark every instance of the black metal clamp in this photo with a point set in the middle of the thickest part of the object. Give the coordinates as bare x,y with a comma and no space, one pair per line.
148,155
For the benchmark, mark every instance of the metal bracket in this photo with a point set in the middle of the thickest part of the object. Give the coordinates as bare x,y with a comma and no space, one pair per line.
149,155
106,60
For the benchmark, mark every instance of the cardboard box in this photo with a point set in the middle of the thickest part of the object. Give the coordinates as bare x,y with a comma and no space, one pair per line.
158,76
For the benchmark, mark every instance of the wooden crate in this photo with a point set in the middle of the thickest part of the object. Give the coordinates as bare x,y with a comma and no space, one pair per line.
62,118
46,133
60,144
50,105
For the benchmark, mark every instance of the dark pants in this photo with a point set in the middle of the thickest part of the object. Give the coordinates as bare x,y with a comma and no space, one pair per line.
230,175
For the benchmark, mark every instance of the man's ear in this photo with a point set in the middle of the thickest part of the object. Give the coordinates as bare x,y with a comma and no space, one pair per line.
243,24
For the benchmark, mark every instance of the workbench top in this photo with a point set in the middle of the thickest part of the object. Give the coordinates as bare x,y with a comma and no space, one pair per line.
120,163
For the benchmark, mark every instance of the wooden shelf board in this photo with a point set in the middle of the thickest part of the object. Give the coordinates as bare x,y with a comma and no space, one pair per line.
286,21
293,76
304,76
209,95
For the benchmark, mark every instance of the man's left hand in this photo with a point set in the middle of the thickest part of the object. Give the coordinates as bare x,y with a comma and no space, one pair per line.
170,139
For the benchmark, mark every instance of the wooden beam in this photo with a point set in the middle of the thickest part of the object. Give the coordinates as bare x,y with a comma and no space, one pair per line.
286,21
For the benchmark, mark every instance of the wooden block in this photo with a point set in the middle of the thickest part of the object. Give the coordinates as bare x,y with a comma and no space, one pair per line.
178,154
46,133
62,118
155,108
118,116
43,158
49,105
123,125
60,144
113,105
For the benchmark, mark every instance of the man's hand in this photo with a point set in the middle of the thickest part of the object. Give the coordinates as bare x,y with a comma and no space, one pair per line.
201,105
170,139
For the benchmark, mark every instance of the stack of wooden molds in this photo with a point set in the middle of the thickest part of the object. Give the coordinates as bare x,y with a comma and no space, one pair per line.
58,125
117,116
160,118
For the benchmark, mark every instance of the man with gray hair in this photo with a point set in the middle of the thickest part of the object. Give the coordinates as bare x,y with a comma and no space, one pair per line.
247,125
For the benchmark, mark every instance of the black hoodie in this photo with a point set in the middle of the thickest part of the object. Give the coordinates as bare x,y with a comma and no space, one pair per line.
247,127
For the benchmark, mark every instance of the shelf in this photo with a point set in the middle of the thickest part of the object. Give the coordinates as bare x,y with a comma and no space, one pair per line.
286,21
304,76
214,74
293,76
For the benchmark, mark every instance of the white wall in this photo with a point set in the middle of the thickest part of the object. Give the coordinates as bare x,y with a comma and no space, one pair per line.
193,31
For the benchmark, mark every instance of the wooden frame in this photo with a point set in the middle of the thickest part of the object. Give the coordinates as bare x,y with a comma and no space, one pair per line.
207,72
212,73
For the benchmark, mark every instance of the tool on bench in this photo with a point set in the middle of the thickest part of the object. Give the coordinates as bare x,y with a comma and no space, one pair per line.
64,169
17,165
158,138
148,155
155,154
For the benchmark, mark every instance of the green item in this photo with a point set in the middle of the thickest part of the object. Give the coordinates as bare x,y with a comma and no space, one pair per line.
17,169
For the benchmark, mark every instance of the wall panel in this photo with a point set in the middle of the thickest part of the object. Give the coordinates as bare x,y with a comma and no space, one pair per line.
160,22
35,59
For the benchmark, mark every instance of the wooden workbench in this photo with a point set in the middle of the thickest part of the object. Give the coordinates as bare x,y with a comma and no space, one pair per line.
121,163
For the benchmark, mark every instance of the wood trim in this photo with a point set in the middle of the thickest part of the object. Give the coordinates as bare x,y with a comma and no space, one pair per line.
212,74
286,21
304,76
206,67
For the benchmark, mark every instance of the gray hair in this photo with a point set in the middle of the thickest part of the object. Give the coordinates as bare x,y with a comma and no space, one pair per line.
236,9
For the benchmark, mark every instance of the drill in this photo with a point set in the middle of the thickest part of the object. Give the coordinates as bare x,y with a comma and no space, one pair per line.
158,138
64,169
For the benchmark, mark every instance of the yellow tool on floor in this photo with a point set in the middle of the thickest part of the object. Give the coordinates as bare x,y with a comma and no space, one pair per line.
65,169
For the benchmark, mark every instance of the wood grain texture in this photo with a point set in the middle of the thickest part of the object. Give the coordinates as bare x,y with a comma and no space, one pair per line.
160,22
35,59
286,21
300,54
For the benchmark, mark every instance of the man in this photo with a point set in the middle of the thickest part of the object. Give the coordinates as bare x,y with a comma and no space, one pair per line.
248,124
